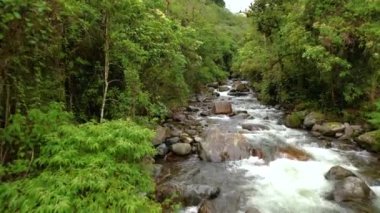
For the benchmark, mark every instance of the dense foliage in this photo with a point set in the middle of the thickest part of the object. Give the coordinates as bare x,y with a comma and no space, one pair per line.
67,64
322,52
109,59
66,168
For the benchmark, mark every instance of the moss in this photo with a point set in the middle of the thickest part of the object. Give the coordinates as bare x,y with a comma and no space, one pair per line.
295,119
370,140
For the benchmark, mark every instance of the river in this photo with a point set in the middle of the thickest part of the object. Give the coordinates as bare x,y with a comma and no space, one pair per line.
278,185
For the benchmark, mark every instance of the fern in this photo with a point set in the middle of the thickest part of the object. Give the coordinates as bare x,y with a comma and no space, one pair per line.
85,168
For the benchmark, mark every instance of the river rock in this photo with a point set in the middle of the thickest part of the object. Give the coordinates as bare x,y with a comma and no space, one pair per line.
352,189
181,148
179,117
237,94
293,153
214,85
189,195
224,88
222,107
225,203
161,134
194,194
254,127
175,132
192,109
348,186
370,140
162,149
329,128
186,139
204,113
173,140
241,87
198,139
338,173
313,118
219,147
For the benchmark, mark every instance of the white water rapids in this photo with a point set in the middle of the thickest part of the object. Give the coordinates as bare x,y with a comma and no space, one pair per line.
284,185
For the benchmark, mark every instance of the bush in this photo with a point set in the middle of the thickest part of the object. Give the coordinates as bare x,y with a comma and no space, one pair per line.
85,168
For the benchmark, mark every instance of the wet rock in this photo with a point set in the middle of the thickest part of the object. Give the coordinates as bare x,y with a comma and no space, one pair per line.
237,94
241,116
293,153
191,131
189,195
207,207
241,112
181,148
348,186
370,140
198,139
175,132
352,189
194,194
219,147
254,127
173,140
192,109
222,107
214,85
241,87
313,118
161,134
162,150
252,210
205,113
179,117
338,173
201,98
224,88
225,203
329,128
186,139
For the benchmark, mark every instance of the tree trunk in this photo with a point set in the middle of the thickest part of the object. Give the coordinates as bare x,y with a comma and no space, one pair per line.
106,65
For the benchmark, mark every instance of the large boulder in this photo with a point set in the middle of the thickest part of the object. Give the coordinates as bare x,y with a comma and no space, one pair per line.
161,134
370,140
313,118
181,148
352,189
222,107
329,128
218,147
348,187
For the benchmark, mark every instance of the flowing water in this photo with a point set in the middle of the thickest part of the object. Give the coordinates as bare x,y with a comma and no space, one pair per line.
280,185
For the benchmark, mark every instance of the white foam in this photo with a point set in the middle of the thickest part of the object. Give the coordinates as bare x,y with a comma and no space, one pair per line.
289,186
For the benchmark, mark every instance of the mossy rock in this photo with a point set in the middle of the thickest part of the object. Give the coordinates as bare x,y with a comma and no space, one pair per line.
295,119
370,140
313,118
